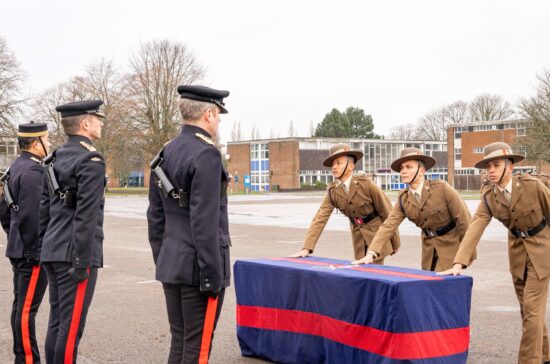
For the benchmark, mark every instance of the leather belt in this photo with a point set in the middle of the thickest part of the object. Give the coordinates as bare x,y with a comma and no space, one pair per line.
529,232
362,220
439,232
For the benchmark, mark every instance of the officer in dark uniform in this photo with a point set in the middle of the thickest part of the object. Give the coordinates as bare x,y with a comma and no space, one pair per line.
23,183
71,223
188,225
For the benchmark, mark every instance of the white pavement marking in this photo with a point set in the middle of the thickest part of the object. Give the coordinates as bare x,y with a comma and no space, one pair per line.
238,236
147,282
290,242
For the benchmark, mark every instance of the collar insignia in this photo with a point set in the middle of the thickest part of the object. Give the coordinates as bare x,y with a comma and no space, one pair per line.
88,147
205,139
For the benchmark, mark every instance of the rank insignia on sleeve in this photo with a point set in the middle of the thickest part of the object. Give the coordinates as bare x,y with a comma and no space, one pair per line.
205,139
88,146
34,159
95,159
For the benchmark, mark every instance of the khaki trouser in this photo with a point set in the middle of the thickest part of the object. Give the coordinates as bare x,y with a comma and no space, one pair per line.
532,294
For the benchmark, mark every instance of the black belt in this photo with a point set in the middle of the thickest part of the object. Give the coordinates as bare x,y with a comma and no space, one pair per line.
363,219
529,232
438,232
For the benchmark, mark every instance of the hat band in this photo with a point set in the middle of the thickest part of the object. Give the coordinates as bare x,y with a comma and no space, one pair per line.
499,153
30,135
413,154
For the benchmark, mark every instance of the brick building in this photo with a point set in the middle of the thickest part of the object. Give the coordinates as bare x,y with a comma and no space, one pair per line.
465,145
287,163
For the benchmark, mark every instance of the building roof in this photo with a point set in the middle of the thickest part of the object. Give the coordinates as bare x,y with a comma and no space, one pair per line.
335,140
488,122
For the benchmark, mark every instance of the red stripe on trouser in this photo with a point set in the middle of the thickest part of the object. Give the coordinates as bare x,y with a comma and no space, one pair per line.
400,346
75,321
31,289
364,269
208,329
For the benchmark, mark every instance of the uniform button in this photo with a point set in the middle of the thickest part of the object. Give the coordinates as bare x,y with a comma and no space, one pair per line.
354,212
516,220
207,286
421,210
350,203
532,210
513,210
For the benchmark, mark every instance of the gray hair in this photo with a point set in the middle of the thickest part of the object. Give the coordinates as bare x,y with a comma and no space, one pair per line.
192,110
71,124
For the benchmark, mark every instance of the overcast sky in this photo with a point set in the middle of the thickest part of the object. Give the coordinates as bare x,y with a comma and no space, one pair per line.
295,60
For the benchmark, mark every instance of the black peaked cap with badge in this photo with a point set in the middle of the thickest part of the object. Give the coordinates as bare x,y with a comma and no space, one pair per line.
32,129
204,94
91,107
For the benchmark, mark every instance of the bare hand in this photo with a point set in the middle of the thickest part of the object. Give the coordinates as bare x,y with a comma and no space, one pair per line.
367,259
456,270
301,254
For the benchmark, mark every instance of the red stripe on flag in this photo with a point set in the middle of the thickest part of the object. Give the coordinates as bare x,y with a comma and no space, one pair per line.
399,346
75,321
208,329
31,289
365,269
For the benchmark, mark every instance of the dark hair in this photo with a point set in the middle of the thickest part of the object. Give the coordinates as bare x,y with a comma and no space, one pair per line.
25,142
71,124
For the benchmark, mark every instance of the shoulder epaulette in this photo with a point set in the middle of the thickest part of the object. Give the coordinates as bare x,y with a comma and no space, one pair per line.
205,139
87,146
527,177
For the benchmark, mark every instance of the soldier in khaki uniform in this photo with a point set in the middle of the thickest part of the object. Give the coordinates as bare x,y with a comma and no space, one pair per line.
358,198
522,204
434,206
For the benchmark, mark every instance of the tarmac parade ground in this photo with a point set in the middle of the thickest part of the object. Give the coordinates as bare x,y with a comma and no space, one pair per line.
127,321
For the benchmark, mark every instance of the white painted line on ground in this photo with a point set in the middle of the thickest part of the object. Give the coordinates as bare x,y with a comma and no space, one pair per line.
147,282
289,242
238,236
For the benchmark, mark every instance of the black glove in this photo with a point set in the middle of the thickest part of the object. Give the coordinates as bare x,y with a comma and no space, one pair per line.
210,289
78,274
33,258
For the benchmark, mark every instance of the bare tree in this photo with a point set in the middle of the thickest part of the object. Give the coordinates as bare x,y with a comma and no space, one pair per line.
291,129
487,107
120,136
11,80
43,106
457,112
403,132
312,128
236,132
158,67
536,110
433,125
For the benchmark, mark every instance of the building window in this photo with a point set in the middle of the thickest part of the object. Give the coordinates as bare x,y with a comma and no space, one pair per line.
520,131
478,150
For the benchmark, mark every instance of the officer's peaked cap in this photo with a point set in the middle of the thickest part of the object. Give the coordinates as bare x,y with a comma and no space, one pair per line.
91,107
205,94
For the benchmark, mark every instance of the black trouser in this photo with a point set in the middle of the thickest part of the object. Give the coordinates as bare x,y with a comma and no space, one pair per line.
29,286
69,303
193,317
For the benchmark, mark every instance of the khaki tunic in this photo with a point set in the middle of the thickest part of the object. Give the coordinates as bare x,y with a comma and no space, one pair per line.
530,204
529,257
363,198
439,205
